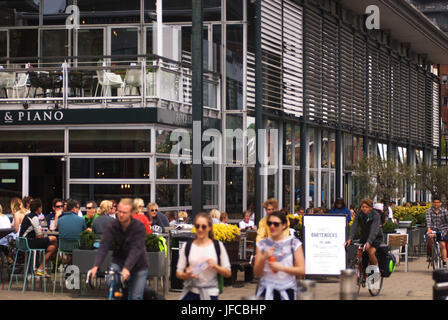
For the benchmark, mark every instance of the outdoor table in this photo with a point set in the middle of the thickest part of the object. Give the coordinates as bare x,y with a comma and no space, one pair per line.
5,232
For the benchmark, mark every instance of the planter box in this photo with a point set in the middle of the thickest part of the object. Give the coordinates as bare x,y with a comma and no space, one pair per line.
84,259
157,264
232,249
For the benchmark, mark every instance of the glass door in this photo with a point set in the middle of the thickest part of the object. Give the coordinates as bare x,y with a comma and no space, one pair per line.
13,180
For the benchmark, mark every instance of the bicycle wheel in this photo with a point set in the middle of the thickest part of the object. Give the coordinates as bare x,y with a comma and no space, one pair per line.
374,292
433,257
356,265
438,257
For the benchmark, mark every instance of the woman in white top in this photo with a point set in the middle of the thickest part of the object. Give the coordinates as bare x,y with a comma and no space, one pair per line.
278,261
18,211
246,223
200,276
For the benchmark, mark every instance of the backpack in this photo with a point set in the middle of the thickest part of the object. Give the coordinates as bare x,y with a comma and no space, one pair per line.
218,254
383,215
386,261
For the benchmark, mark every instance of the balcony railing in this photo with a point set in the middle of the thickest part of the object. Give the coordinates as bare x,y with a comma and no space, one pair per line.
144,81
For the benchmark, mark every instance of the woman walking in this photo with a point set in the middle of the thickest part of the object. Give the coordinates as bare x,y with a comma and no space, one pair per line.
279,260
201,261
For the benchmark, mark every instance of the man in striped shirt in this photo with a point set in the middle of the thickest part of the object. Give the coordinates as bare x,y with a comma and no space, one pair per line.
437,220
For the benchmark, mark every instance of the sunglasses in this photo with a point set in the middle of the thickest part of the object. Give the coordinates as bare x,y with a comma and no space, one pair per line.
153,210
88,208
61,206
200,226
275,224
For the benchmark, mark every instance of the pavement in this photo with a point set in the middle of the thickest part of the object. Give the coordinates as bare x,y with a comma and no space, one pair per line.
416,284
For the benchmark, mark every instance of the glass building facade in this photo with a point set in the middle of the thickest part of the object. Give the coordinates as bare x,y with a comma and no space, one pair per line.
332,91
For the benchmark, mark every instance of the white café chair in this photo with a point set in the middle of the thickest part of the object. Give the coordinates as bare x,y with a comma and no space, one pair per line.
108,80
133,79
20,83
399,241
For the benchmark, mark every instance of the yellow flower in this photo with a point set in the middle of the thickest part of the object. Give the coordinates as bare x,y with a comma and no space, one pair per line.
223,232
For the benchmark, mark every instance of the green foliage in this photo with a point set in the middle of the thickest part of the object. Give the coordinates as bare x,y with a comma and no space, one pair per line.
152,242
384,179
88,238
434,179
389,226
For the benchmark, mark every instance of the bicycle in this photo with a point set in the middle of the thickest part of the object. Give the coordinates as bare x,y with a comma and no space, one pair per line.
435,260
360,265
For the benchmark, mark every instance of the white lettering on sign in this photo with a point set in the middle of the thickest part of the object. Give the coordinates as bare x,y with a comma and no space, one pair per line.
32,116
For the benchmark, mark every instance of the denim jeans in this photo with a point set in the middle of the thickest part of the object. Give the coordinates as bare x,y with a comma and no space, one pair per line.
136,281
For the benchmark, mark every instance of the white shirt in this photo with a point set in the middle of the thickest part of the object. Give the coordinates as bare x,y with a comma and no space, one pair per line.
244,225
4,222
199,255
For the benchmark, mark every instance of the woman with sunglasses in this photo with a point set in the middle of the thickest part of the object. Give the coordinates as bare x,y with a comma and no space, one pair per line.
200,269
279,260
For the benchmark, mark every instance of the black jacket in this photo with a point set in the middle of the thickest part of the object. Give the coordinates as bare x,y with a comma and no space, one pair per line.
370,226
128,246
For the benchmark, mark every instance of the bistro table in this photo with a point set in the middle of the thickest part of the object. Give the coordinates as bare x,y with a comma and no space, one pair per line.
5,232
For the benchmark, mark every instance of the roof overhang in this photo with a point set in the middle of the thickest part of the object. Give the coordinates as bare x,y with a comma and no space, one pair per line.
407,24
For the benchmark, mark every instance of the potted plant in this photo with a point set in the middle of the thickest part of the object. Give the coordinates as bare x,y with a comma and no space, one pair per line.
87,239
389,227
156,252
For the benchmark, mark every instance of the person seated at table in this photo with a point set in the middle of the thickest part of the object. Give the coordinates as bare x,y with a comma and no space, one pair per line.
56,204
246,223
215,214
5,223
31,229
103,219
138,214
70,225
182,217
224,217
91,214
18,212
171,215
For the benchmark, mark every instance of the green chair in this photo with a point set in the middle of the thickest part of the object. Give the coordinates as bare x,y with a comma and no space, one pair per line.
66,246
22,246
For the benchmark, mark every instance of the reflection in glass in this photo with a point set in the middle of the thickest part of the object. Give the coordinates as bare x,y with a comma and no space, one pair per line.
180,10
348,151
324,149
109,141
23,43
109,12
43,141
234,139
166,195
11,182
297,186
185,195
3,44
150,11
210,194
287,190
312,147
100,192
272,186
109,168
332,188
54,11
251,141
251,188
287,144
234,190
234,10
90,42
165,145
333,150
234,67
166,169
19,13
312,193
297,145
53,43
124,41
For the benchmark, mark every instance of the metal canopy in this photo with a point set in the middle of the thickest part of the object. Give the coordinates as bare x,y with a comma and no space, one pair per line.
407,25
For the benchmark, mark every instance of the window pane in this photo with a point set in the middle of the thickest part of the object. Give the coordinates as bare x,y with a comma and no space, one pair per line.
109,12
31,141
3,44
297,145
53,43
97,141
19,13
287,190
100,192
312,194
150,11
166,169
297,186
251,141
324,190
348,151
90,42
23,43
54,11
324,151
234,10
333,150
234,67
181,10
109,168
210,195
165,145
124,42
185,195
234,190
272,186
251,188
11,182
312,148
287,144
166,195
234,139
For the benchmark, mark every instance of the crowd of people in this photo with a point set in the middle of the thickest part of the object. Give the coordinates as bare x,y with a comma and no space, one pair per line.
123,226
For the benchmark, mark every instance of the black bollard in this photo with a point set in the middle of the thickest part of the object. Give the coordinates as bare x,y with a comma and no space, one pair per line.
440,288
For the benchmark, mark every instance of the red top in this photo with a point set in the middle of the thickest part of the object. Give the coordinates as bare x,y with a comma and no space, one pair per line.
142,218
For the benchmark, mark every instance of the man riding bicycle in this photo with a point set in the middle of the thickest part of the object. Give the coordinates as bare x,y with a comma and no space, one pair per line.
126,237
437,221
369,221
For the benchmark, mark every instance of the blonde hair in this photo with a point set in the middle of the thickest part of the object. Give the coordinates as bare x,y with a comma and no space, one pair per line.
214,213
271,202
1,210
16,205
182,214
105,207
127,202
137,203
152,205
